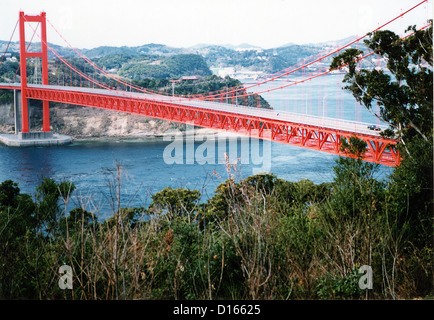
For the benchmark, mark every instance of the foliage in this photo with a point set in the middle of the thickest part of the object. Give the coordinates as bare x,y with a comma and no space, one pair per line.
48,195
175,201
405,92
268,61
6,97
340,288
258,238
161,67
8,69
203,86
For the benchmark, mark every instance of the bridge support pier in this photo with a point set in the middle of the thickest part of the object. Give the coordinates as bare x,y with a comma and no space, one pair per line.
17,111
29,139
34,139
24,117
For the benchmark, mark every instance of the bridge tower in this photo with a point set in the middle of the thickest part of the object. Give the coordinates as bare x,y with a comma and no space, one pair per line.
44,62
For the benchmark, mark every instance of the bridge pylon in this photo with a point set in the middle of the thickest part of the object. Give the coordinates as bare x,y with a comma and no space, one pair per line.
24,54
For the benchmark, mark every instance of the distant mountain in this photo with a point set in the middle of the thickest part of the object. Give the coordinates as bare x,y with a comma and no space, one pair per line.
287,45
162,67
337,43
147,49
200,46
133,60
243,46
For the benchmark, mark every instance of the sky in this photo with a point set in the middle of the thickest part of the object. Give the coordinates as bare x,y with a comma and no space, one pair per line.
184,23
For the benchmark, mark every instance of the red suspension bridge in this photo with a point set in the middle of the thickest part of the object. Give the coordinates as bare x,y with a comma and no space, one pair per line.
212,110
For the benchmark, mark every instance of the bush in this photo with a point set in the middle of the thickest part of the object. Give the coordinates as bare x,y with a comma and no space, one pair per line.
340,288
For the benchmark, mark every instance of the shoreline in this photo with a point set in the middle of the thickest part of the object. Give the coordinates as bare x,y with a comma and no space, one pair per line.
198,134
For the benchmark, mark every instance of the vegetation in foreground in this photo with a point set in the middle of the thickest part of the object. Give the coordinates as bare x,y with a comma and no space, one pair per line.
258,238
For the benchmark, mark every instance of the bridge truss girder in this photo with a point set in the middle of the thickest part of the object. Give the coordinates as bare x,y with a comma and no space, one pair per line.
379,150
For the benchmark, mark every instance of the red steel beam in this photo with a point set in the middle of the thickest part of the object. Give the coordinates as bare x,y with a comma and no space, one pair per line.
24,54
379,150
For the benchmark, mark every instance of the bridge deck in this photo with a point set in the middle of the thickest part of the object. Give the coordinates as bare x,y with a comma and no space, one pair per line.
323,122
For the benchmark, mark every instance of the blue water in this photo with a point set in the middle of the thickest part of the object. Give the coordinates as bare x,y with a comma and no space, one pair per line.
91,166
323,96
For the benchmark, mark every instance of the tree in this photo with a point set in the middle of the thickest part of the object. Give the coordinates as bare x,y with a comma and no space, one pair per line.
181,202
8,193
16,229
404,93
48,196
